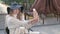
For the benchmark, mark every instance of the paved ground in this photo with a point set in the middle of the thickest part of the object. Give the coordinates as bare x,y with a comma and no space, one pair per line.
49,21
46,29
2,32
50,29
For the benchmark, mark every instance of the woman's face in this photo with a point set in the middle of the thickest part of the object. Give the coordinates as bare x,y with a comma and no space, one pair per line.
16,11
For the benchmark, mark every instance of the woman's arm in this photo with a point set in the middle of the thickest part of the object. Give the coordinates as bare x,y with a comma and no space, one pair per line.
32,21
36,17
15,23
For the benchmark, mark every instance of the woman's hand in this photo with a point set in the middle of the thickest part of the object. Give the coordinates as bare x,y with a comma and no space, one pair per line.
34,20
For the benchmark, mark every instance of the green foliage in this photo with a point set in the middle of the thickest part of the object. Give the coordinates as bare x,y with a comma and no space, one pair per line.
18,1
31,1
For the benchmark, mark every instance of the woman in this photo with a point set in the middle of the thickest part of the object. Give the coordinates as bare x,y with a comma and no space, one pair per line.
14,24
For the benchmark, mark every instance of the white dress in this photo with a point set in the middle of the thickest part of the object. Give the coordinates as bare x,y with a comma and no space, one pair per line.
14,24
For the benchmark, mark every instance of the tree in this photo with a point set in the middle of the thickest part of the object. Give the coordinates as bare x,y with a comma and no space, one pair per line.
18,1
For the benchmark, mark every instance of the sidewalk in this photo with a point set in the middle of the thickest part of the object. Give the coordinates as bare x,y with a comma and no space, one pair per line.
52,29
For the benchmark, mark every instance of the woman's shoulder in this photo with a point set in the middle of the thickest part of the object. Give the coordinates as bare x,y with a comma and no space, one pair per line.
8,17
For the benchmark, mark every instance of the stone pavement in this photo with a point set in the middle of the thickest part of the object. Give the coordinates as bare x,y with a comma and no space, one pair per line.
2,31
44,29
47,29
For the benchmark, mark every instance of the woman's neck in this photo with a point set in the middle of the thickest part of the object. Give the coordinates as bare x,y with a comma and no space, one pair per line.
13,15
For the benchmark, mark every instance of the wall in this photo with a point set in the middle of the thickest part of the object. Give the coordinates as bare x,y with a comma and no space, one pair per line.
2,23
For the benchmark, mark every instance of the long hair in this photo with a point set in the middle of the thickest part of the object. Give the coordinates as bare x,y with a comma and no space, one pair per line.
8,10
